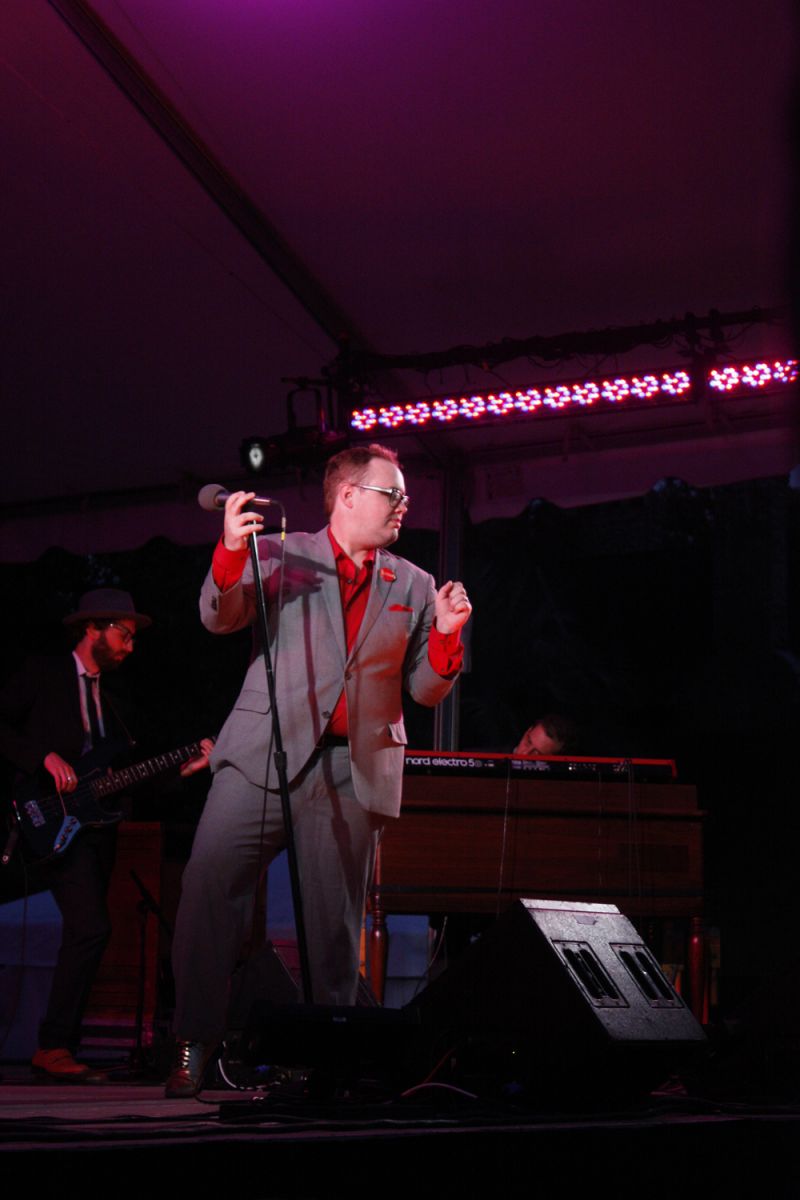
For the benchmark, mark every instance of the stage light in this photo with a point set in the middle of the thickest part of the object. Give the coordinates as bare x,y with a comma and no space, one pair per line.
619,391
748,377
253,454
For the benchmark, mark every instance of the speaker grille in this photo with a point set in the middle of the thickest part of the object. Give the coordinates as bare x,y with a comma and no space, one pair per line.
588,972
647,975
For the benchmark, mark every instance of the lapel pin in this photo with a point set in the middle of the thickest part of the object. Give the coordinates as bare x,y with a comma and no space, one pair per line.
388,575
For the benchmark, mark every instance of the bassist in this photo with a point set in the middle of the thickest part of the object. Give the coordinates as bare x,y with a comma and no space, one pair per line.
53,712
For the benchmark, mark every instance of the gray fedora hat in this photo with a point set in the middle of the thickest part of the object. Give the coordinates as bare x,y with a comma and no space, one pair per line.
107,604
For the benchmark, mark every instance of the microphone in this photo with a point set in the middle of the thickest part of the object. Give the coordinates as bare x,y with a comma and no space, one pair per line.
214,496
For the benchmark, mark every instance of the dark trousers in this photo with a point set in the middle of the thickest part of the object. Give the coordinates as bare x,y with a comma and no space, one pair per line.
79,883
336,840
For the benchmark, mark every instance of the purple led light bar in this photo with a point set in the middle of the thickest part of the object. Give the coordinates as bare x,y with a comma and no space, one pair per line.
631,391
747,377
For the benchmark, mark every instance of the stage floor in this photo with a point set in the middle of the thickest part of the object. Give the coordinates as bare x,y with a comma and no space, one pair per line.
126,1136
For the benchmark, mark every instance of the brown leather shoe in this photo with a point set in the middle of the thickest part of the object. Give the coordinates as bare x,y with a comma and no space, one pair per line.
60,1065
188,1069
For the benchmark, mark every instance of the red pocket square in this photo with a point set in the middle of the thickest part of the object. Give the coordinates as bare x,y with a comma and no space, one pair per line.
400,608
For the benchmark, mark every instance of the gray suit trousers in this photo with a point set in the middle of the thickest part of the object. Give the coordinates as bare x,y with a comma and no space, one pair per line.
336,840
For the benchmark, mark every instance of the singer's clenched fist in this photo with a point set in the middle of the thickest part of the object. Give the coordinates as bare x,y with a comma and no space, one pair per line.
452,607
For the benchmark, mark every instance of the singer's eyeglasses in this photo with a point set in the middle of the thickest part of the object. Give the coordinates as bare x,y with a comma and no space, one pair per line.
396,496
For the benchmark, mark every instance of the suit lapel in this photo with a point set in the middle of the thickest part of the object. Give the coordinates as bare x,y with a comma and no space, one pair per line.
330,591
383,579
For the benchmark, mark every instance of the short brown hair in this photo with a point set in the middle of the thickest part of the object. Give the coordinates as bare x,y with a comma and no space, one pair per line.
79,629
559,728
351,465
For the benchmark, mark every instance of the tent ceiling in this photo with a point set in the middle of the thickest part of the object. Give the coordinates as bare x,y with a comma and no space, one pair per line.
447,173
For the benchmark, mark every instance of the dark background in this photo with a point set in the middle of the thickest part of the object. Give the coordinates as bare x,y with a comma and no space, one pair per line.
666,625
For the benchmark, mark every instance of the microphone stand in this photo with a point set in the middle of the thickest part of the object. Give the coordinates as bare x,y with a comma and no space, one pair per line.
147,905
283,783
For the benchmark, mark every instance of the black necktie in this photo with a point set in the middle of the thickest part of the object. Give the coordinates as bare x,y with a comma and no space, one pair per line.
91,709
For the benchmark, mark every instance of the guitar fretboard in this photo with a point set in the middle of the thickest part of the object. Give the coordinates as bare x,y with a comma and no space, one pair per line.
117,781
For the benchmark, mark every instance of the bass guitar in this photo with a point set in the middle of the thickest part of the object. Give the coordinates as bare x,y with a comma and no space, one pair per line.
48,820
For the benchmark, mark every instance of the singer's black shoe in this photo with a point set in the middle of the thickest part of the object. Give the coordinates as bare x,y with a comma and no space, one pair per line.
188,1069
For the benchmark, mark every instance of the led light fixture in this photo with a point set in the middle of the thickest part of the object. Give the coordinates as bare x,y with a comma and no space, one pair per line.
629,391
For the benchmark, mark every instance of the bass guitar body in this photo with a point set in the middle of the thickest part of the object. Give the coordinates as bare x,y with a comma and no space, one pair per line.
48,820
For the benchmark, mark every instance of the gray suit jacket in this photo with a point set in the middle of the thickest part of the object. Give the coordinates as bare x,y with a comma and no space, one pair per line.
312,666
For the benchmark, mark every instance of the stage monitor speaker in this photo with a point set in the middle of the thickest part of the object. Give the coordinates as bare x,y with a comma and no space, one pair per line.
270,1031
560,998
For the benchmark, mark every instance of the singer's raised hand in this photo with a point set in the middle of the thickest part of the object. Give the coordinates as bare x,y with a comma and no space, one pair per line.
452,607
238,524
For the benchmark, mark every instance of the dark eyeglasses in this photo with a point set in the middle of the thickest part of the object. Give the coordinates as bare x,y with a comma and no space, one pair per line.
125,633
396,496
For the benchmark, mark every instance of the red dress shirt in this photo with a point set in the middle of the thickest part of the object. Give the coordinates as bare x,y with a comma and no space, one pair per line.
445,650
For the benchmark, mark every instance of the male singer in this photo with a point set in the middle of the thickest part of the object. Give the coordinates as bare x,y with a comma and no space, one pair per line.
357,626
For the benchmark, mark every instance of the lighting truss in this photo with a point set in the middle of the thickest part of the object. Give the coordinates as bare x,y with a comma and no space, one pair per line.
613,392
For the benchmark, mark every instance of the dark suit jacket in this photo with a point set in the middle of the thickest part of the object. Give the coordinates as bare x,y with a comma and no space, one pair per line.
40,712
